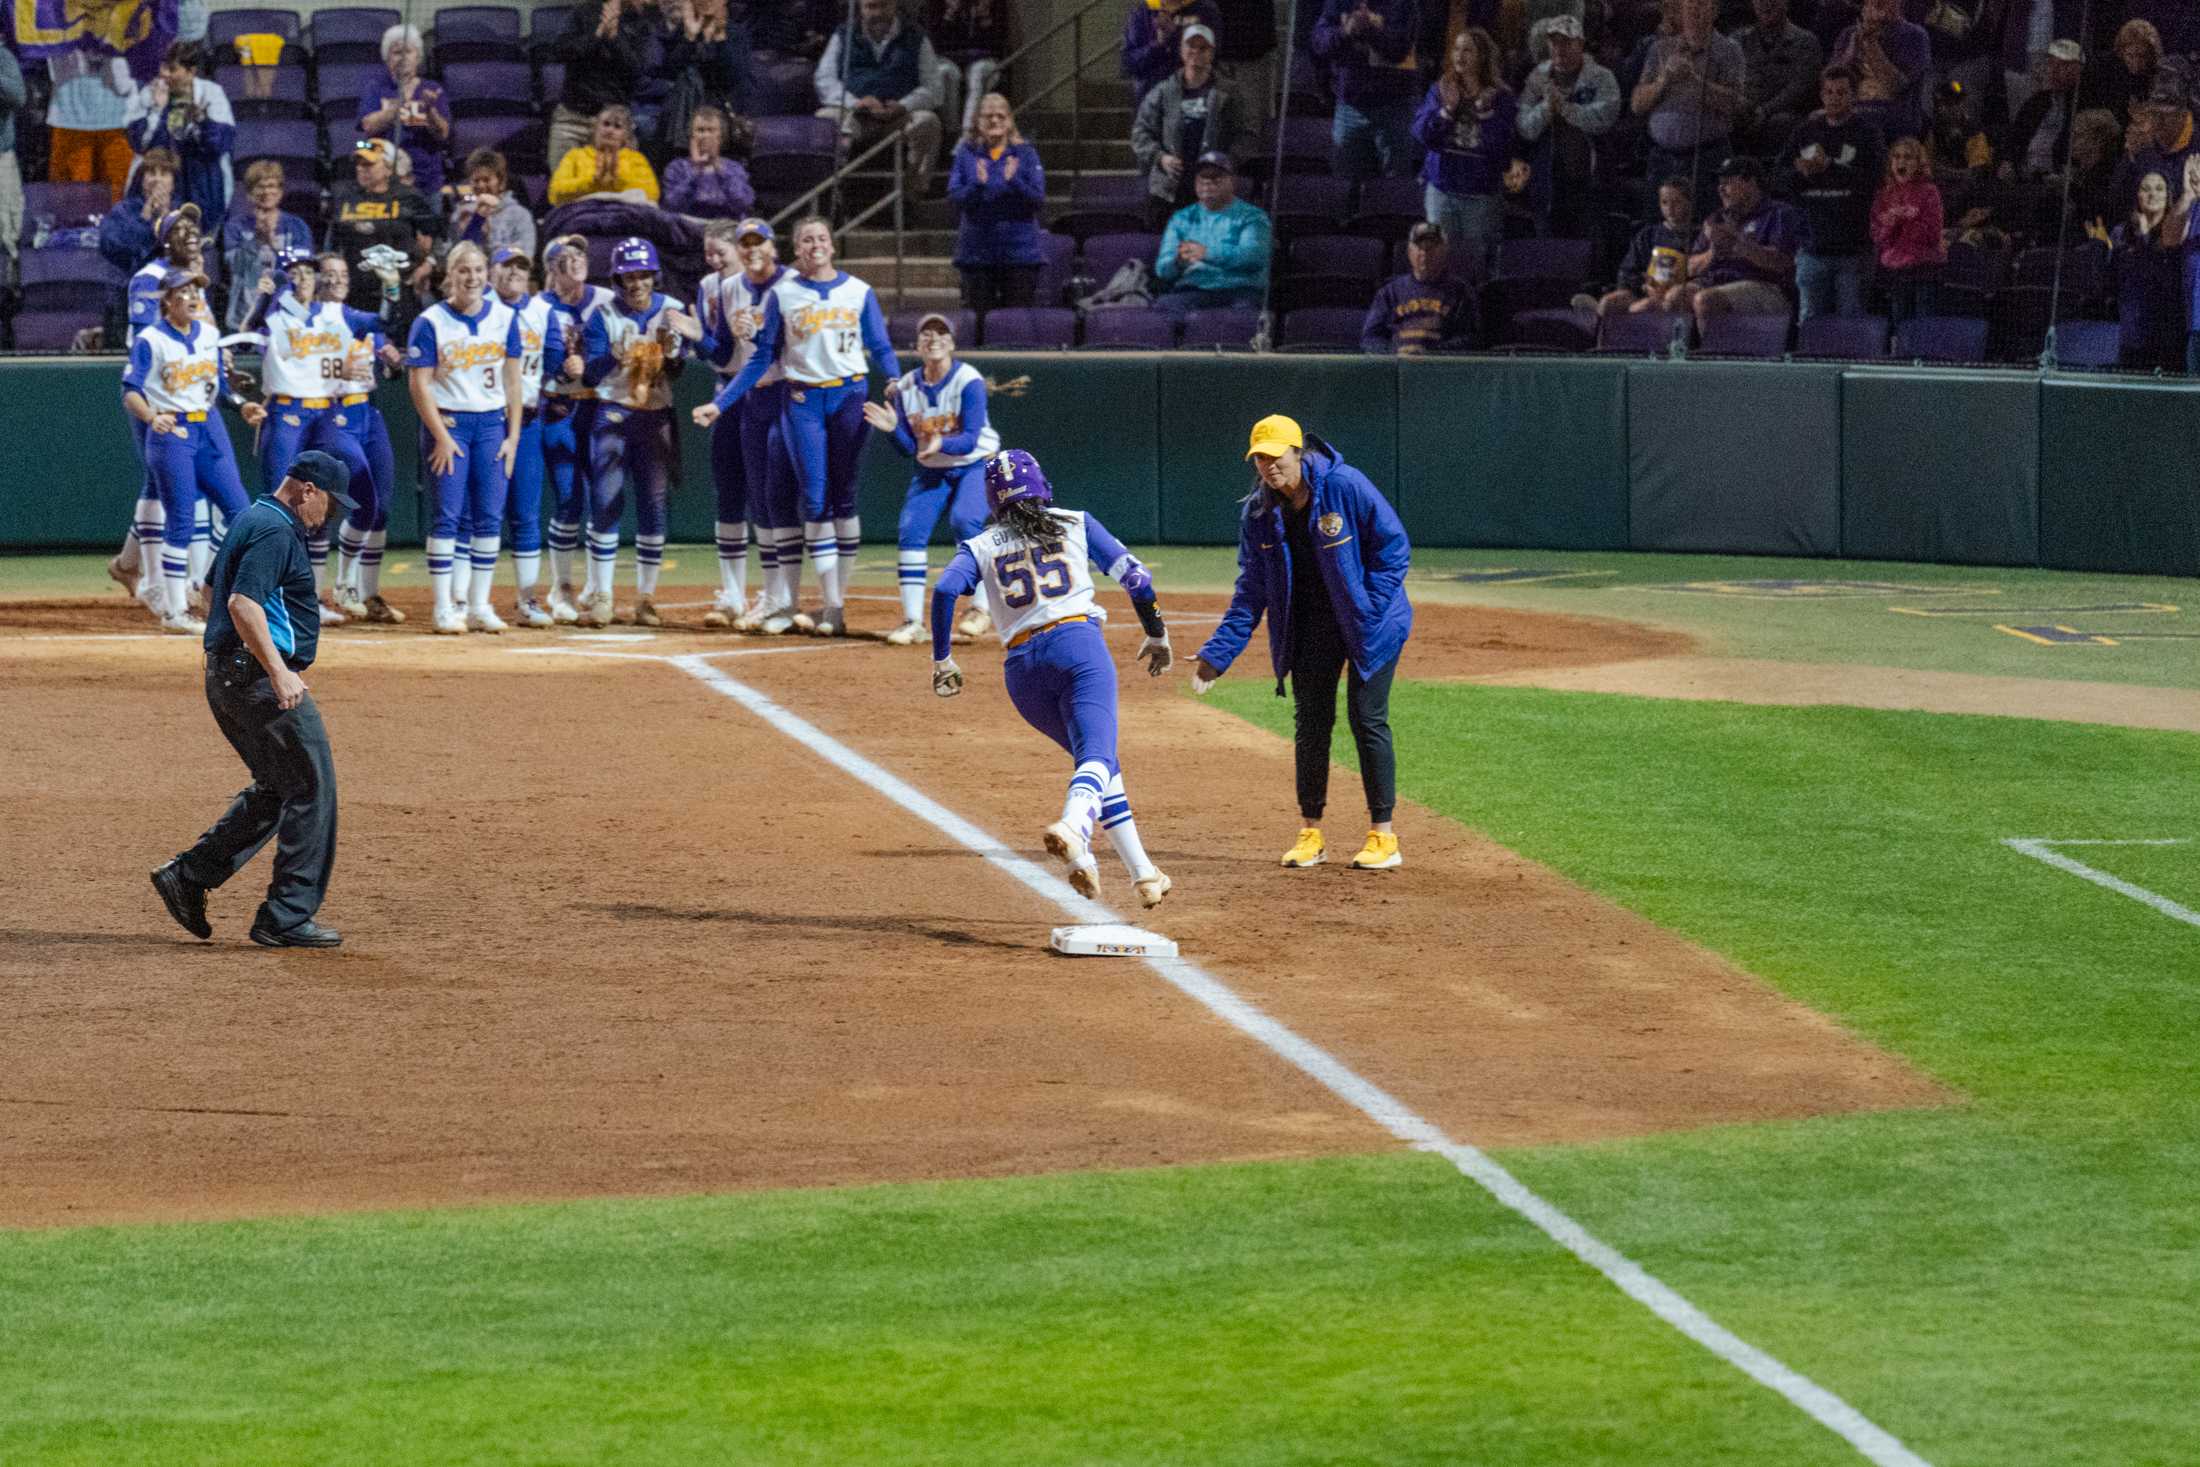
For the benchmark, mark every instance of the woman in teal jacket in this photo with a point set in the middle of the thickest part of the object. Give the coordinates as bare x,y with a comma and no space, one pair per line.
1314,509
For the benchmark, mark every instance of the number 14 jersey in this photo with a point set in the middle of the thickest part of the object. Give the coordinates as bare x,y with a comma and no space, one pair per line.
1028,585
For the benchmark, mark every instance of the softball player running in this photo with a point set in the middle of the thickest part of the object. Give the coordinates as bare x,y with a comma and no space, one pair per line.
748,454
823,328
541,342
302,369
171,385
137,568
464,358
364,535
1034,563
568,415
632,349
936,415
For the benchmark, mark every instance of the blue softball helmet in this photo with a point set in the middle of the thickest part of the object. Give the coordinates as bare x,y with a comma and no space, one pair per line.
632,256
1015,475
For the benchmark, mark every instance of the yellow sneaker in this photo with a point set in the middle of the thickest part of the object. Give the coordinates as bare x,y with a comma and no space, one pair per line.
1308,850
1379,854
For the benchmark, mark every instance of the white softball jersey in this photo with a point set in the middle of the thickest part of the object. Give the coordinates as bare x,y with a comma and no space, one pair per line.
306,346
928,410
821,326
572,321
637,349
1027,585
719,299
473,348
539,340
176,372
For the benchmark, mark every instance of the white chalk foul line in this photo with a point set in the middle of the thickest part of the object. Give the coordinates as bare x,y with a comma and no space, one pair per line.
1874,1443
2041,850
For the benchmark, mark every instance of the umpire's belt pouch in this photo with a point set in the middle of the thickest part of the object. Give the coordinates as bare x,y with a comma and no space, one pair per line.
239,668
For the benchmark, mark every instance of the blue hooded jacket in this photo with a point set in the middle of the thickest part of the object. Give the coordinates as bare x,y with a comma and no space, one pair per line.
1363,555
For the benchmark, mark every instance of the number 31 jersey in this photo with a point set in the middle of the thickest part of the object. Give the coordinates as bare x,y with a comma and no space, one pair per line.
1028,585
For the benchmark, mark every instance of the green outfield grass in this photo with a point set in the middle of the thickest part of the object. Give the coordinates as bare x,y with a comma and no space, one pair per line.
2008,1280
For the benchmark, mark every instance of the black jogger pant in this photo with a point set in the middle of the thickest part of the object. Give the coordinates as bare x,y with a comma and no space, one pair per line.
292,798
1318,659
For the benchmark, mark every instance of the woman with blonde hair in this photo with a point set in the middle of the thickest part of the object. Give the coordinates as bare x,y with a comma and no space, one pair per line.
608,165
1467,124
998,186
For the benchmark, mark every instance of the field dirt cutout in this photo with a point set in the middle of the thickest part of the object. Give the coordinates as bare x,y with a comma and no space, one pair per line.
606,933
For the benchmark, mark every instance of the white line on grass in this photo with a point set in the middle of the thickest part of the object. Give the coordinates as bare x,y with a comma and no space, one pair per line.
1393,1115
2039,850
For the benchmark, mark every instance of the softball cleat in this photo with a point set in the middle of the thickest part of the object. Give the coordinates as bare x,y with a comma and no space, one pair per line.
975,622
1379,854
484,620
450,623
182,624
1307,851
532,613
382,613
596,610
332,615
778,624
718,618
1083,872
122,575
908,634
645,613
349,602
802,622
562,609
1152,888
832,622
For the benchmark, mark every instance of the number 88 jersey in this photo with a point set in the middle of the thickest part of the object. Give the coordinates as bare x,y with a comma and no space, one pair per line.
469,351
1028,585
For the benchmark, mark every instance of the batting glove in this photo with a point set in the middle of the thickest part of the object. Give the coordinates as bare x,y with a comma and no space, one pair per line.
947,678
1156,654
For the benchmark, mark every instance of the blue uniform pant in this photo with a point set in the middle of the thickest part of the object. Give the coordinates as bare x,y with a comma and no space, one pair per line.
525,503
630,446
1063,683
199,461
292,428
960,492
767,467
362,423
565,433
825,432
470,497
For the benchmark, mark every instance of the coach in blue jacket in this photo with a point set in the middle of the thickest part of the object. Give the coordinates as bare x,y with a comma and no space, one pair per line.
1313,512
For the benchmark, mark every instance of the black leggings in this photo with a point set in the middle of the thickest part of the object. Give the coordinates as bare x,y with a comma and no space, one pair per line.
1318,659
987,287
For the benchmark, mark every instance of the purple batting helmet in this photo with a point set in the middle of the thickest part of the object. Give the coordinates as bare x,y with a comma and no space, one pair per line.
633,256
289,256
1015,475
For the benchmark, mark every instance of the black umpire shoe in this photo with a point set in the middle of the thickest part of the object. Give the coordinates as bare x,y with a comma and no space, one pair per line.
185,899
308,933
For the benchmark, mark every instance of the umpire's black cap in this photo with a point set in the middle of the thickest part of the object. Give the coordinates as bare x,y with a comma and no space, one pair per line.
327,474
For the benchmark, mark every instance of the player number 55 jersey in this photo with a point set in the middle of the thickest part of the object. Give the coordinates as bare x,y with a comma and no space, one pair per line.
1028,585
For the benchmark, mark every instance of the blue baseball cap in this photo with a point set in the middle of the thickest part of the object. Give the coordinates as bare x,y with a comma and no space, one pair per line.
172,218
1014,476
760,228
325,473
508,254
290,256
180,277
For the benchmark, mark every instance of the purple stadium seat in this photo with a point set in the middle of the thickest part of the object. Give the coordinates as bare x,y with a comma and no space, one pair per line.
781,178
1053,282
1130,328
803,134
1544,259
489,88
1649,333
1103,204
1735,335
1941,339
469,133
1506,299
224,26
68,281
62,205
1388,207
303,198
2084,270
1322,328
547,22
1306,148
1229,329
297,143
901,329
1338,254
2088,345
1030,328
1311,292
1563,329
784,85
1976,268
350,32
553,79
1106,253
265,91
1308,203
340,85
1845,338
50,331
476,33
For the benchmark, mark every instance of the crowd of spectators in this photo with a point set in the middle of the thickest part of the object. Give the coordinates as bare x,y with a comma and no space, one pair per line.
1766,158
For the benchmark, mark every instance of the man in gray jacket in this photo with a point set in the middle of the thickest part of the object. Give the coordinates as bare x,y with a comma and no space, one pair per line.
1566,107
1191,113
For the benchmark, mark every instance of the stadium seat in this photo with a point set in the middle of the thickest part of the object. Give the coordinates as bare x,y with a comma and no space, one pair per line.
224,26
296,144
901,329
62,206
1843,338
1129,328
1975,267
1107,253
67,281
546,23
1733,334
794,134
1306,149
476,33
1322,328
1103,203
1544,259
2089,345
1941,339
1030,328
350,32
1316,292
469,133
1649,333
1564,328
340,85
265,91
1231,330
1351,255
1053,284
50,331
551,79
1388,208
489,88
1308,203
781,178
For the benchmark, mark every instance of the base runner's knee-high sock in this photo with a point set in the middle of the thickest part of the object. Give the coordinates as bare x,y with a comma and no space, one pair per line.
462,569
767,561
526,570
910,567
203,543
790,565
1081,807
1115,819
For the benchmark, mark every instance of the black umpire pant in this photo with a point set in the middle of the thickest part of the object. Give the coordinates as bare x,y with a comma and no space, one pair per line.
1318,659
292,797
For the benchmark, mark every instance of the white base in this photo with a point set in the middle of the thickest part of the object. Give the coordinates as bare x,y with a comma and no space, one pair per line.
1111,940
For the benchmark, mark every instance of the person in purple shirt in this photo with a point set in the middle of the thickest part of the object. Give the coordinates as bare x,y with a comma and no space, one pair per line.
998,186
1427,309
1150,35
706,183
1743,261
408,109
1368,47
1894,58
2184,232
1467,124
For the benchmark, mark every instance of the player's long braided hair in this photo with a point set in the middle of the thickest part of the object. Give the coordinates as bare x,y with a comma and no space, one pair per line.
1029,521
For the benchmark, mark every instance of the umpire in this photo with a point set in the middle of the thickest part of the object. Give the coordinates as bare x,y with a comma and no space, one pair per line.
263,626
1322,555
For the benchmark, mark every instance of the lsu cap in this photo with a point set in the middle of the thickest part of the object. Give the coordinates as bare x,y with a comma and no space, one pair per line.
1273,434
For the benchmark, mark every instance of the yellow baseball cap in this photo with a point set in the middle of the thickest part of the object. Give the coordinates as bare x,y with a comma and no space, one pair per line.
1273,434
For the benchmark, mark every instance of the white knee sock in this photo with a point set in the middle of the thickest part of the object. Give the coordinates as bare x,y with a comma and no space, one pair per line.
132,555
462,569
733,561
603,560
317,557
1081,808
848,534
790,565
911,567
767,561
175,579
485,572
349,542
441,558
370,562
649,558
526,569
565,544
203,543
824,556
1115,819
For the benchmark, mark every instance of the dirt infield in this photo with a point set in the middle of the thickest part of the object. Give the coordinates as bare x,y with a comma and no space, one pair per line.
606,933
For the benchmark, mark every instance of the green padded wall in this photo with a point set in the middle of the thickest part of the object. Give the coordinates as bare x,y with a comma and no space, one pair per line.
1209,405
1734,457
1528,452
1941,466
2119,485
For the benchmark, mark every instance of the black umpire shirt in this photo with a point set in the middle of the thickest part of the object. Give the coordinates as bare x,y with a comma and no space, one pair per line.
264,559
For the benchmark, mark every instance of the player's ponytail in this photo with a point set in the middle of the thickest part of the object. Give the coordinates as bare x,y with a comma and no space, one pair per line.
1028,521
